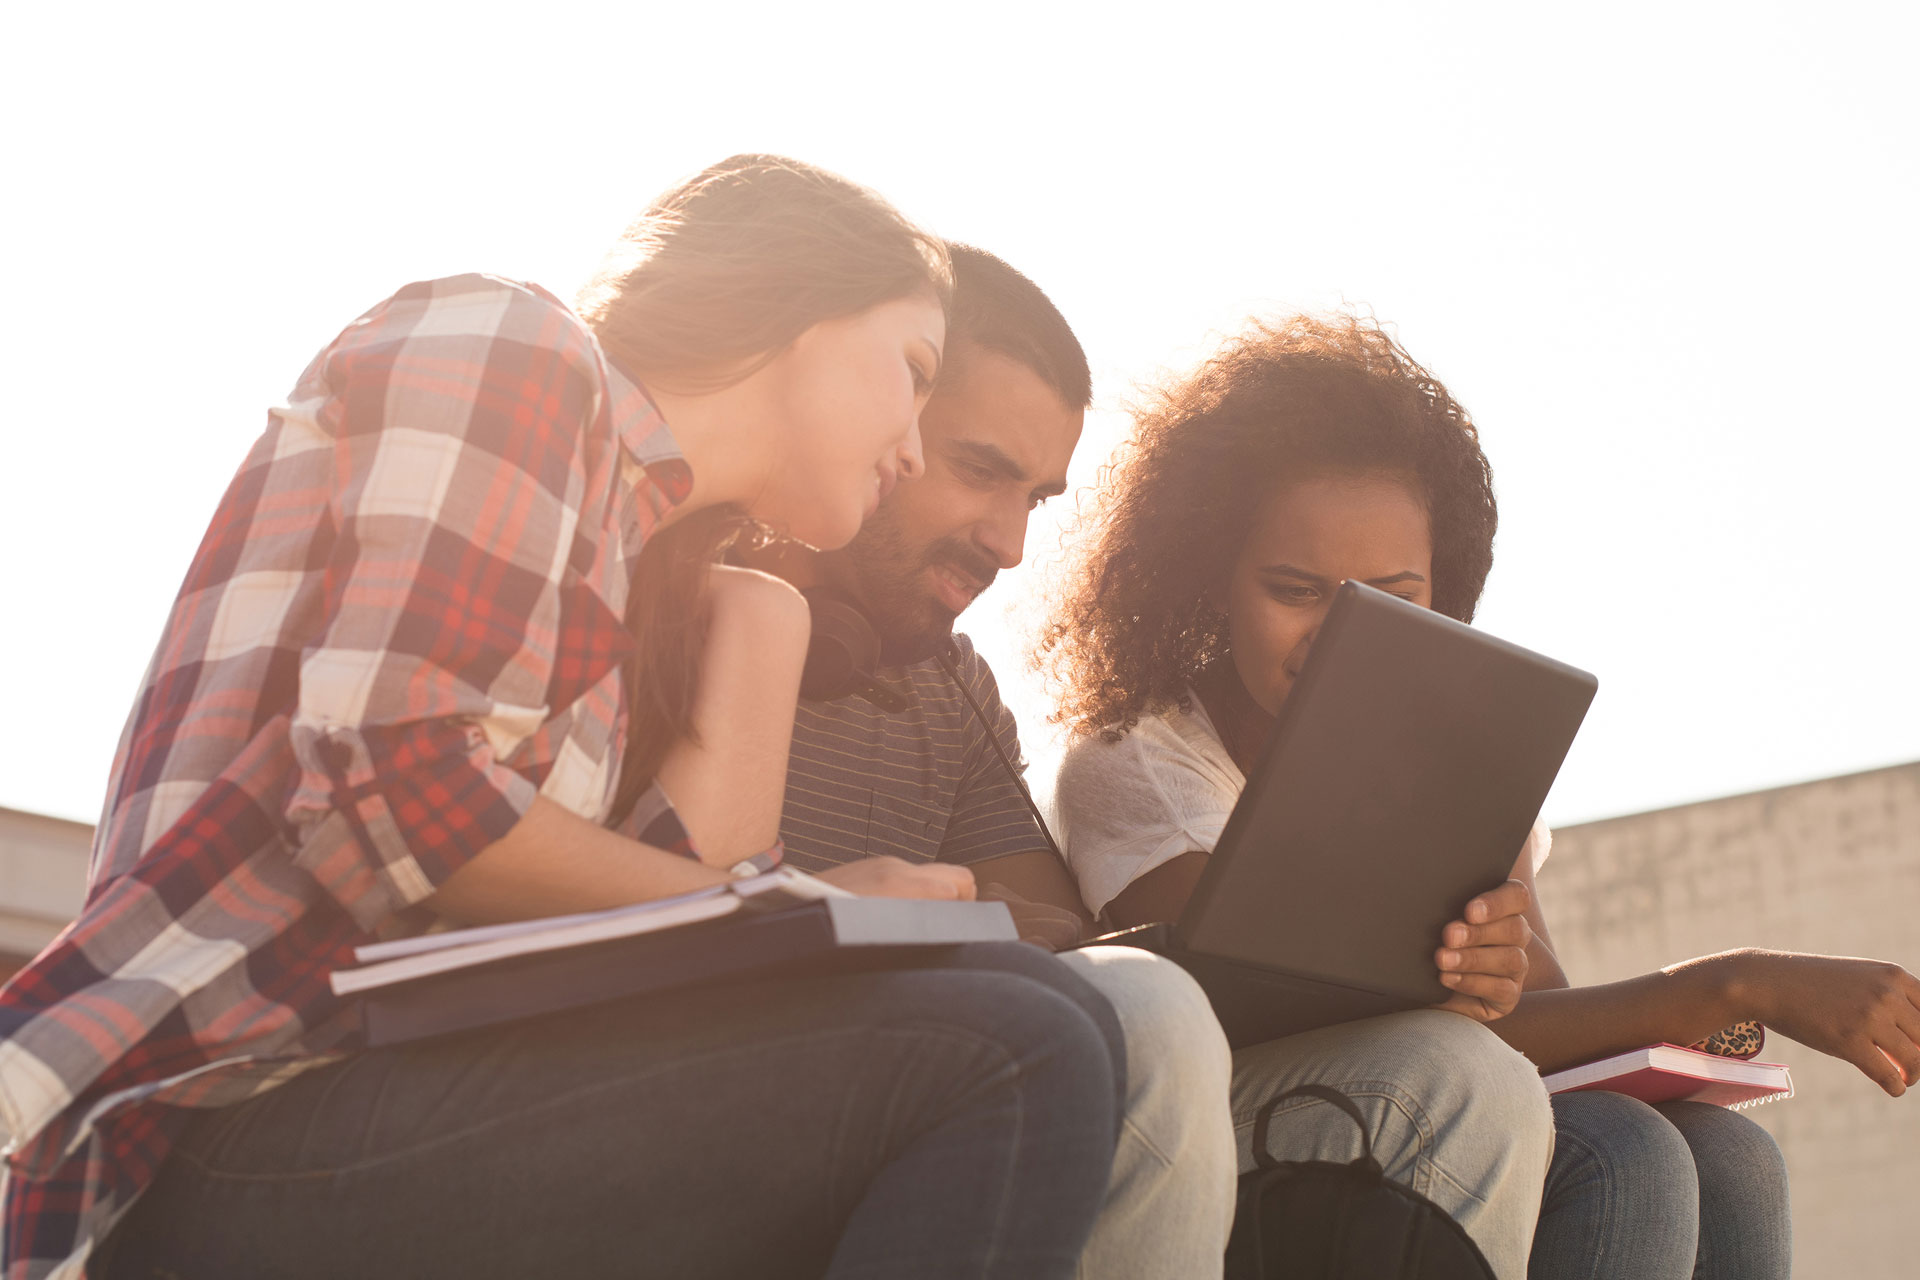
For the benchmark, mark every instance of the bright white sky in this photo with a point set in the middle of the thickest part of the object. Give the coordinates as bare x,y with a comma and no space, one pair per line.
1665,254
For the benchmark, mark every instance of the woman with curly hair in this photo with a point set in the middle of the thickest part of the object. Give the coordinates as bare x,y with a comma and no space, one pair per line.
1306,453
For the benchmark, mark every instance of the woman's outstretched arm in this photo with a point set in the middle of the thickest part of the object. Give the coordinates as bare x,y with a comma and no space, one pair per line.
1864,1011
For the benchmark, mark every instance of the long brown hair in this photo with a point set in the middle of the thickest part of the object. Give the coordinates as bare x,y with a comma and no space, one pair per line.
1133,624
717,277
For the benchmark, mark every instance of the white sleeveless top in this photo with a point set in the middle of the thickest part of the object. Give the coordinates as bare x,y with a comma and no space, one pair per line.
1164,789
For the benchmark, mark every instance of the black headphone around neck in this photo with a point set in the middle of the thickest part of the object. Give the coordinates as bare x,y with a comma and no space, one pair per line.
843,660
843,653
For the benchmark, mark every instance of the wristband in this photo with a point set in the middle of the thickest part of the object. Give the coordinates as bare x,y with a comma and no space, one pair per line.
1741,1040
761,863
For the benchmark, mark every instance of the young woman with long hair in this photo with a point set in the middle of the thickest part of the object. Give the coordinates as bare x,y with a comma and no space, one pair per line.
455,647
1303,454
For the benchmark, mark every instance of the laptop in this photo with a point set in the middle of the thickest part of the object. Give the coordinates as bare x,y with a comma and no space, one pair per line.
1402,778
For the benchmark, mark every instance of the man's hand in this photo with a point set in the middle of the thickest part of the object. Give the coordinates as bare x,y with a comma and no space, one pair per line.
1483,956
886,877
1041,923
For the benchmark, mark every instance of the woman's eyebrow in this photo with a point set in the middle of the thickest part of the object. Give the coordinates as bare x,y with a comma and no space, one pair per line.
1291,571
1295,571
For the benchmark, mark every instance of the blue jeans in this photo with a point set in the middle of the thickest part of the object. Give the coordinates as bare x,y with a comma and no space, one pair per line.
1661,1193
1170,1200
954,1121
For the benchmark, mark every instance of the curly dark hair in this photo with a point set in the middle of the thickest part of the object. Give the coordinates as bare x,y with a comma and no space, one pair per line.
1132,626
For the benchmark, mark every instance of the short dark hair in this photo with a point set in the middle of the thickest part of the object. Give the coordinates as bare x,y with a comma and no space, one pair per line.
998,309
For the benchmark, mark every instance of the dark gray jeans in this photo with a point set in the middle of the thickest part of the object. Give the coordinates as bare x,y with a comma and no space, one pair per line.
952,1121
1661,1193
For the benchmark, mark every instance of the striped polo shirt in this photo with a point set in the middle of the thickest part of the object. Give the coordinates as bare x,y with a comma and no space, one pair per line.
921,783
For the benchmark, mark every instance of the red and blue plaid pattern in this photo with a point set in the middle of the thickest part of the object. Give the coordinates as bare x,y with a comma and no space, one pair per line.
404,623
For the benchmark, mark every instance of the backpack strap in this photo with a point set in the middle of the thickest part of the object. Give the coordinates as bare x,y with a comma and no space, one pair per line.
1324,1093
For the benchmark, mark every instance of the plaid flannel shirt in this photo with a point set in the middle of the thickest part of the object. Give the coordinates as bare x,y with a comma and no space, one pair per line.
405,621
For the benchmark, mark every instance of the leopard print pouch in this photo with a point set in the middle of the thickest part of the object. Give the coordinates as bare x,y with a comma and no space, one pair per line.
1741,1040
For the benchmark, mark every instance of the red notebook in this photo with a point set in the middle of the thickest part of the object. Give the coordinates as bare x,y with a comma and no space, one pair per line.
1669,1073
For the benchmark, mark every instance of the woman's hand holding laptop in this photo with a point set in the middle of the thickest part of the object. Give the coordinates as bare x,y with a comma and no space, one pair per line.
1483,956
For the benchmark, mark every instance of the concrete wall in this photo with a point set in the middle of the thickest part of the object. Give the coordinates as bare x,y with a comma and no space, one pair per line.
1830,866
43,881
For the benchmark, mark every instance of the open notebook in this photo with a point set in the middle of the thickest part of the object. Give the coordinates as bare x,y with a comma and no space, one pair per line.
1669,1073
407,959
782,923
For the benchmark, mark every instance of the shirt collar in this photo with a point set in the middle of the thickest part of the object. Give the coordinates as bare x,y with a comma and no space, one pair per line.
644,433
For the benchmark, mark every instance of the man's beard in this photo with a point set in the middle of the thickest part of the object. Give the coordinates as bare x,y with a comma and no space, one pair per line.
887,577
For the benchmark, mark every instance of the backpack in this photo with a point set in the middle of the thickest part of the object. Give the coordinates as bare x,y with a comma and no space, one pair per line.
1318,1220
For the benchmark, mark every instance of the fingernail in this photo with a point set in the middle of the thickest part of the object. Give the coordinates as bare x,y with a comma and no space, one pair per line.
1451,979
1449,959
1476,911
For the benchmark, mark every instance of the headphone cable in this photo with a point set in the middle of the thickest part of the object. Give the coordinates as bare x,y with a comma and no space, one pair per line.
949,664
